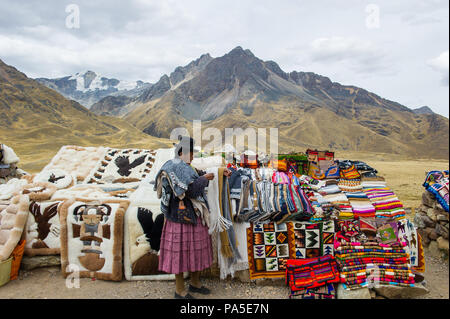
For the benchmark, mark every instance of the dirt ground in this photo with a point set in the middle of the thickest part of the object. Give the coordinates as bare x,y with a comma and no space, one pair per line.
48,283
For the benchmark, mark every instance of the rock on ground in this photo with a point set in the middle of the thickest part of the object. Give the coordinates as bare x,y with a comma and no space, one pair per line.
29,263
362,293
395,292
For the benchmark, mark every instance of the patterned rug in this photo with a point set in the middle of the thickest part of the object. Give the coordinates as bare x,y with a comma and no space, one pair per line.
92,237
77,161
269,247
122,166
143,228
313,239
42,229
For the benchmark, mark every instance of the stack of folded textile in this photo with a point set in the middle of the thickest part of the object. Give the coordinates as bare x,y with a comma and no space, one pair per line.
371,264
350,185
361,205
386,203
341,202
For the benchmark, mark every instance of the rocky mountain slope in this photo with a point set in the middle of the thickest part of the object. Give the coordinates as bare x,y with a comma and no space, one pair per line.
36,121
240,90
89,88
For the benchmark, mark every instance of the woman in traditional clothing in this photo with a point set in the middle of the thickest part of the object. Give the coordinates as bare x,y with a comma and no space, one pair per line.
185,242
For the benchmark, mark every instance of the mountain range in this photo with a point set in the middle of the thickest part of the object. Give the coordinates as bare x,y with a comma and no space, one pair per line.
36,121
236,90
241,90
88,88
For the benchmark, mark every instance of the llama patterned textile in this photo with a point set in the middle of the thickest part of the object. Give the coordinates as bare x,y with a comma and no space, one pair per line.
122,166
92,237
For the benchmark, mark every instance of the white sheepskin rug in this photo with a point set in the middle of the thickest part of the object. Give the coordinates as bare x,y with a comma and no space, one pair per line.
77,161
143,230
12,222
122,166
12,187
58,177
42,229
92,238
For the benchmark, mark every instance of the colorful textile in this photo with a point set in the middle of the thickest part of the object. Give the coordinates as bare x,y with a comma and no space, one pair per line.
350,173
350,185
386,203
313,239
311,273
269,247
388,233
323,292
373,264
436,183
407,234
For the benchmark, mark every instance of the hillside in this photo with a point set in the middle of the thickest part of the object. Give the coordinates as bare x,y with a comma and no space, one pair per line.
36,121
240,90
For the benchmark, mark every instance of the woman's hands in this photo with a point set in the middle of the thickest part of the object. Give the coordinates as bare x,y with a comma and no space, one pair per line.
210,176
227,172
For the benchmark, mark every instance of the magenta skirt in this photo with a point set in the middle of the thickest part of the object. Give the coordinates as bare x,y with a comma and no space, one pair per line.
185,247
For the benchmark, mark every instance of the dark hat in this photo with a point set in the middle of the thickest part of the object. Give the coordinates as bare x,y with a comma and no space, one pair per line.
185,144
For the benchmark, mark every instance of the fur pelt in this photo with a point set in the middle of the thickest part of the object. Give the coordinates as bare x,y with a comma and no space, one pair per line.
77,160
140,258
60,178
9,156
38,191
42,229
122,166
108,264
12,223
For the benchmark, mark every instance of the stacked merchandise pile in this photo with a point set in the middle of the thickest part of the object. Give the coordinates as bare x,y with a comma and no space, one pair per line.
386,203
372,252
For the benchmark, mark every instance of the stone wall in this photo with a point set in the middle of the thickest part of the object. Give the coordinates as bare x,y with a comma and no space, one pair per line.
432,222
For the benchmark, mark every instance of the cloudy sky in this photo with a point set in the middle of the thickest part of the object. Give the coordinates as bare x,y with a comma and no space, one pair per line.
398,49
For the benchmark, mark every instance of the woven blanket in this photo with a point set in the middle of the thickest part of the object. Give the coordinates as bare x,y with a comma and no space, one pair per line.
122,166
43,229
407,234
77,161
13,218
324,292
92,237
372,265
269,247
350,185
436,183
386,203
313,239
